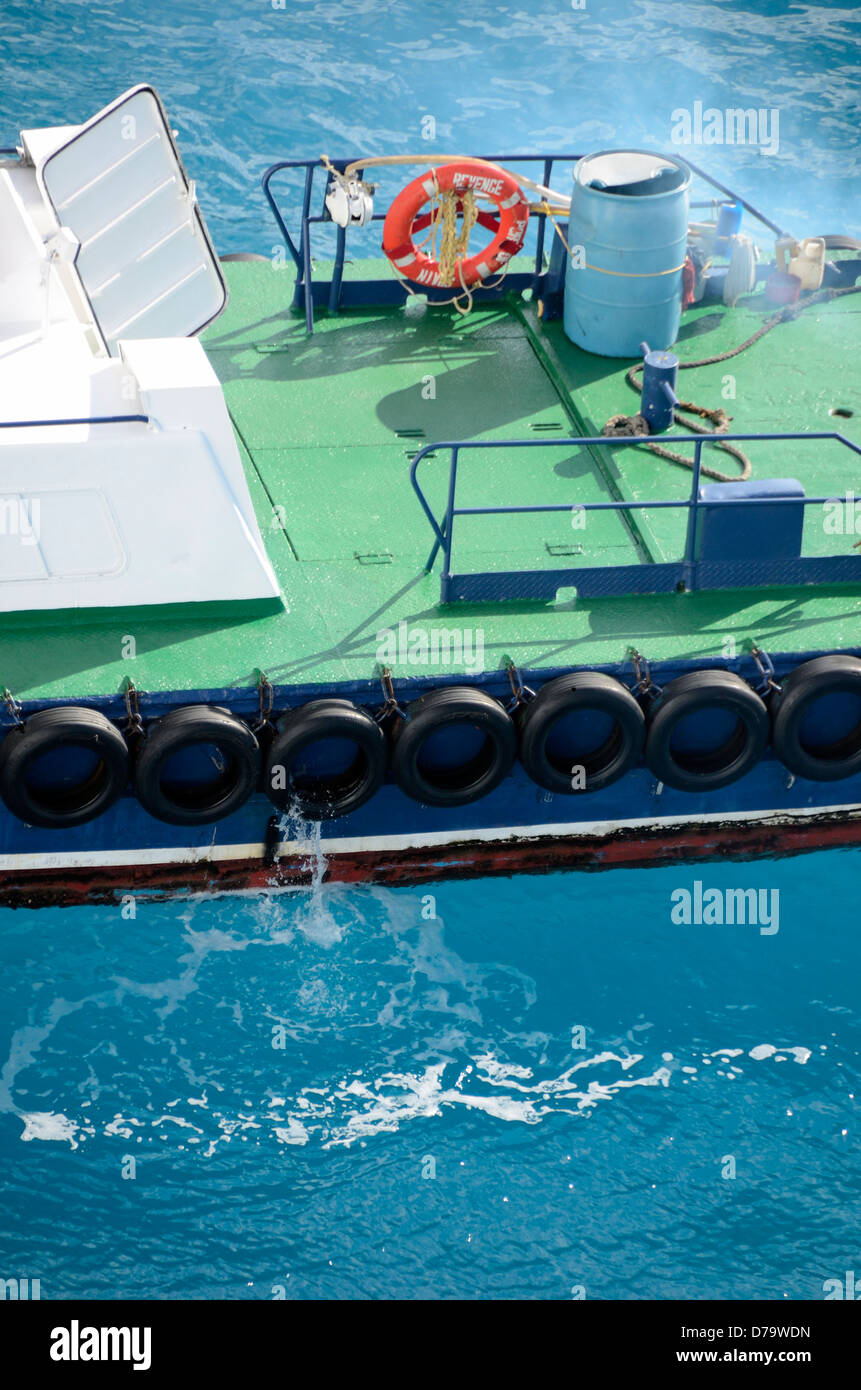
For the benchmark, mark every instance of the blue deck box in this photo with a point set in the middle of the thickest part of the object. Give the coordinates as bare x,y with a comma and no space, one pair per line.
741,532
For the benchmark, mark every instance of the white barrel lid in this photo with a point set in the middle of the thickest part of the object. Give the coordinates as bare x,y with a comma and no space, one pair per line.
616,167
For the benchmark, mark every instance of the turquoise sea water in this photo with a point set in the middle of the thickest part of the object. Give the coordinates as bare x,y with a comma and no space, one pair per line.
514,1088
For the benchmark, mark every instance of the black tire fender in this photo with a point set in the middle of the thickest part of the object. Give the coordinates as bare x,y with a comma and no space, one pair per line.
702,690
312,723
181,729
443,708
50,731
581,691
824,675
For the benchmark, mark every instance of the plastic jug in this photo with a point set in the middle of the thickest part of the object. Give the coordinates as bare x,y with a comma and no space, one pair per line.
806,259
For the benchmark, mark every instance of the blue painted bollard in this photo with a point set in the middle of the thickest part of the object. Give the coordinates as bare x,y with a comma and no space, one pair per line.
658,398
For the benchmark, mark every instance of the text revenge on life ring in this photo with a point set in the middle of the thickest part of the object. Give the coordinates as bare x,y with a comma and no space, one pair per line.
454,181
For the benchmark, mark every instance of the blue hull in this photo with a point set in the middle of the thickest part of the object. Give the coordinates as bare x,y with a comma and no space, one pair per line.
517,827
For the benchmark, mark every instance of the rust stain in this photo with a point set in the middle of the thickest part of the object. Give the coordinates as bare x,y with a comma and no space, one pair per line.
535,855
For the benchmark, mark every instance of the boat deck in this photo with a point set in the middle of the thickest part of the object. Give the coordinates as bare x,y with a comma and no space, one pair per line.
328,426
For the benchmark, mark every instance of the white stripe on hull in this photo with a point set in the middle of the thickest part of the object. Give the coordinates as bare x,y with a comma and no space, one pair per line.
380,844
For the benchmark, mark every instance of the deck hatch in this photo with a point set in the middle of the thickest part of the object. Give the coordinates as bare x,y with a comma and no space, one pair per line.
145,261
59,534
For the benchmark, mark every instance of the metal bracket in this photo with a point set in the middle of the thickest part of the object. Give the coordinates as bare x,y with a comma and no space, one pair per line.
765,666
134,726
390,706
644,688
374,557
520,694
349,202
266,697
13,706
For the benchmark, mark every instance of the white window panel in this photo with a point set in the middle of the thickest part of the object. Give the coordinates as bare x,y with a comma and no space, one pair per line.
146,263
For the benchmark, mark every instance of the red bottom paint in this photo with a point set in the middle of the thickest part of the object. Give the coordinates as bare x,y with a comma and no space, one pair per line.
624,849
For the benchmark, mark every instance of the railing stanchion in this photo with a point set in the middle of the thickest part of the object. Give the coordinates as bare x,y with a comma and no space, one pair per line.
338,272
306,250
449,522
542,227
693,511
276,211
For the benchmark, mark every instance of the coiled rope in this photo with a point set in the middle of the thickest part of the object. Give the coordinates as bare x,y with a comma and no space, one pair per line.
635,425
453,245
445,205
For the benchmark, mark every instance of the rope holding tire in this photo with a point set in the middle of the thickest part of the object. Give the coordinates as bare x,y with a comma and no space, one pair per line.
701,732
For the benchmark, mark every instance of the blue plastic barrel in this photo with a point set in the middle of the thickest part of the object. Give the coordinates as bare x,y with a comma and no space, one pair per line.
629,213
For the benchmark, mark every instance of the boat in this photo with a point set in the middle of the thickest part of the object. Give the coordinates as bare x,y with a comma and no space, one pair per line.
501,520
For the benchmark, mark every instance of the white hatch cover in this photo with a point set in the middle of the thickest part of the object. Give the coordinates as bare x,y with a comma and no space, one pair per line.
146,263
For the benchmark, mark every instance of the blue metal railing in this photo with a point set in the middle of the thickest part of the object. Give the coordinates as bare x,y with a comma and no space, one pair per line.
335,294
647,577
76,420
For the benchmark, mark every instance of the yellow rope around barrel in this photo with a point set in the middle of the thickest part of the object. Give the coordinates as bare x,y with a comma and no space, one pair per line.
545,207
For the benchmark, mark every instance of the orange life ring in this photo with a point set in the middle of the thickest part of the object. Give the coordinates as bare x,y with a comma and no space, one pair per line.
508,222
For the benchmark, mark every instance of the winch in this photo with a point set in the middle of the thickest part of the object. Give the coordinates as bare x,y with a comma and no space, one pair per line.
349,202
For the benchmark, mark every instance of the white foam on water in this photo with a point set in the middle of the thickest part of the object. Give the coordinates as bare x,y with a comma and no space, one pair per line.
50,1126
294,1133
441,1052
780,1054
175,1120
122,1127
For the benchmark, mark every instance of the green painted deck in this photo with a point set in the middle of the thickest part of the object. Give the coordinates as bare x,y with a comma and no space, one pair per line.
328,426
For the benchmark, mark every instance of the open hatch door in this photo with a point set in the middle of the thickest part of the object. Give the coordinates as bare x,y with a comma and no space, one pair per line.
144,259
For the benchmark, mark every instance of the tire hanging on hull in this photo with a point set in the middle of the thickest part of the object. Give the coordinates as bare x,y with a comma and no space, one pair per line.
319,796
797,745
543,733
705,768
455,745
184,800
448,777
60,803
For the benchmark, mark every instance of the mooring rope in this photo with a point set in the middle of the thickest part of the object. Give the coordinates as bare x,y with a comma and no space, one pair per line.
628,425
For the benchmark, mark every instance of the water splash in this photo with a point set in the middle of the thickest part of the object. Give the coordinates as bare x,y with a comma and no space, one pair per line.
314,918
